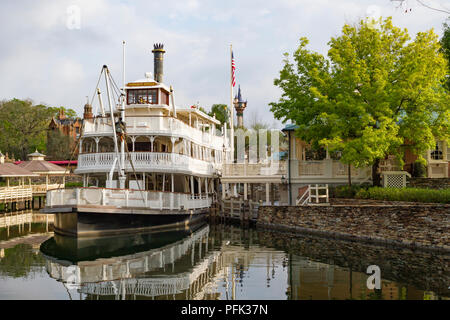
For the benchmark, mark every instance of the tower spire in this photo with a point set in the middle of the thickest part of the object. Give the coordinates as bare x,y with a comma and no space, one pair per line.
239,105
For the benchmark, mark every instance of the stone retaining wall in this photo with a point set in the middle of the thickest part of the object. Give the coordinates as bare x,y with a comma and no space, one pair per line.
418,226
430,183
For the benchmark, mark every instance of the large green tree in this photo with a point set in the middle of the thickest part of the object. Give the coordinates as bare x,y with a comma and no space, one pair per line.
376,93
23,127
445,43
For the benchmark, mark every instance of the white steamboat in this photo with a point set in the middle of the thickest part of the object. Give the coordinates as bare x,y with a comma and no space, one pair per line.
146,163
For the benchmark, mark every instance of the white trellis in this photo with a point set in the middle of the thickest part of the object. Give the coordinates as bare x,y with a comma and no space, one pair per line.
394,179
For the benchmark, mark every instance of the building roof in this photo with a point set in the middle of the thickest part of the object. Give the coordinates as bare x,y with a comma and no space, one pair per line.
36,154
290,127
42,167
9,170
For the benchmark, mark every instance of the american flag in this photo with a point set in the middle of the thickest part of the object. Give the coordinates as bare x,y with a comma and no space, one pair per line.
233,70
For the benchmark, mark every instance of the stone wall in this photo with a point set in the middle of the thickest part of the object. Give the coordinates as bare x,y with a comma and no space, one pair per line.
417,226
430,183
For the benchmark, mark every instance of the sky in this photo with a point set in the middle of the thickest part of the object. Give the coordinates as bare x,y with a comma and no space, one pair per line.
52,51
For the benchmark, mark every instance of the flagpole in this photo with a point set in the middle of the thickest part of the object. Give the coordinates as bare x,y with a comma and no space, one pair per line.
232,113
231,106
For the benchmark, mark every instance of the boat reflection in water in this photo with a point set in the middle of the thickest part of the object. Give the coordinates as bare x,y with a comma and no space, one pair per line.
165,265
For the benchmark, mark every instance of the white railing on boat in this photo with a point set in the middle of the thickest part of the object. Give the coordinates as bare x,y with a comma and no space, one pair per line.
156,126
146,162
124,198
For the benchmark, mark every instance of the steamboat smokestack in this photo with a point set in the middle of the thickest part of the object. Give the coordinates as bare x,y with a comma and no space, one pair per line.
158,52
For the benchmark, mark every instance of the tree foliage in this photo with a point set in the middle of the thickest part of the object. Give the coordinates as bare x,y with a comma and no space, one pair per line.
59,146
23,127
376,93
220,111
445,43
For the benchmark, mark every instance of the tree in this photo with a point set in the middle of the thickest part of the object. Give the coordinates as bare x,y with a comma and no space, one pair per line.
220,111
376,94
445,43
23,127
69,113
59,145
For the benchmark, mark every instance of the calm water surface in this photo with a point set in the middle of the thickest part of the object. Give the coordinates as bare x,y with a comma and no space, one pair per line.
208,262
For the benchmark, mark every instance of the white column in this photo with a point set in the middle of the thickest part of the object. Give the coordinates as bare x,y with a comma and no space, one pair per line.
192,185
173,186
267,193
152,139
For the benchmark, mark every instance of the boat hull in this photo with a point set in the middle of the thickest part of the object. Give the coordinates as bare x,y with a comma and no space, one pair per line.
82,222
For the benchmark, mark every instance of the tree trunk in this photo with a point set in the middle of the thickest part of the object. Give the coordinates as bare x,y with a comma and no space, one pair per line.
376,178
349,175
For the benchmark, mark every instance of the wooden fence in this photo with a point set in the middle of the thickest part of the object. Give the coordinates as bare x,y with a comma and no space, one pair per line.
239,209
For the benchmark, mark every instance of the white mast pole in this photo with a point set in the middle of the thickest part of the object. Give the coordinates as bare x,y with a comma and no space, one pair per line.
113,122
122,117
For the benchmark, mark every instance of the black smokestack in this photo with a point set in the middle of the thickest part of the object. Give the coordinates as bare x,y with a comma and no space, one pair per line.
158,51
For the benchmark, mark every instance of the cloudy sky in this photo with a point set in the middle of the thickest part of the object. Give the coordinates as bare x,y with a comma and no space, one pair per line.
49,55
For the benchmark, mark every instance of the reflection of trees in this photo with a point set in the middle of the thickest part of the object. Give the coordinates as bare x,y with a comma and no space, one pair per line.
20,262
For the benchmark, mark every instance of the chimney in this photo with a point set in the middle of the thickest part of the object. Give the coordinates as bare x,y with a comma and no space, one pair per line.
158,51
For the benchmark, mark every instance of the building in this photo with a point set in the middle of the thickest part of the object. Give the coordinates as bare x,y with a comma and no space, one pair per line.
239,105
67,126
37,165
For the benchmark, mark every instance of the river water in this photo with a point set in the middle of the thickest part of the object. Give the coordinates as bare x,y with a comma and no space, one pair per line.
224,262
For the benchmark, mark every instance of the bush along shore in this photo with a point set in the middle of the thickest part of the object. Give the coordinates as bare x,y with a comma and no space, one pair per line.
392,194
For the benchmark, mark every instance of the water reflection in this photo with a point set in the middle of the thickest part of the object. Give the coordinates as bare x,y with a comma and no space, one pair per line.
208,262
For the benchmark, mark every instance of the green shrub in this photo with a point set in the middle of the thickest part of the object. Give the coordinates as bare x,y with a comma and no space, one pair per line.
346,191
405,194
419,170
74,184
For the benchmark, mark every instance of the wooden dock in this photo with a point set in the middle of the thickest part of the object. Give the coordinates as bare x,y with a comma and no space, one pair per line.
10,197
235,209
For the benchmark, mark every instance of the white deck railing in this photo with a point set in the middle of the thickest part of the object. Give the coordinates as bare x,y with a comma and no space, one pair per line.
11,194
255,169
156,126
146,161
125,198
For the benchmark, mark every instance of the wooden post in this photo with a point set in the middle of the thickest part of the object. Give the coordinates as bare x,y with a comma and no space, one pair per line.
245,191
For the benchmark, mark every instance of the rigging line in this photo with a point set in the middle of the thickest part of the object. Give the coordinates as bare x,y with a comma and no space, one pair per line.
96,87
429,7
118,88
114,85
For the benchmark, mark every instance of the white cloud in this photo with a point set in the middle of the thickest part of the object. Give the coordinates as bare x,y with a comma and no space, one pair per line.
41,58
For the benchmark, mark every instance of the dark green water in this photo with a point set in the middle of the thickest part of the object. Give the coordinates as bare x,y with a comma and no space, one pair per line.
209,262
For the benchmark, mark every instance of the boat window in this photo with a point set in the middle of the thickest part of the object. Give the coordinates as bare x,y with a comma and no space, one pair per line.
142,96
164,97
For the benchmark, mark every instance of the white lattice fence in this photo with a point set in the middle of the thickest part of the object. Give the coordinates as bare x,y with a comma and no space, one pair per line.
394,179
